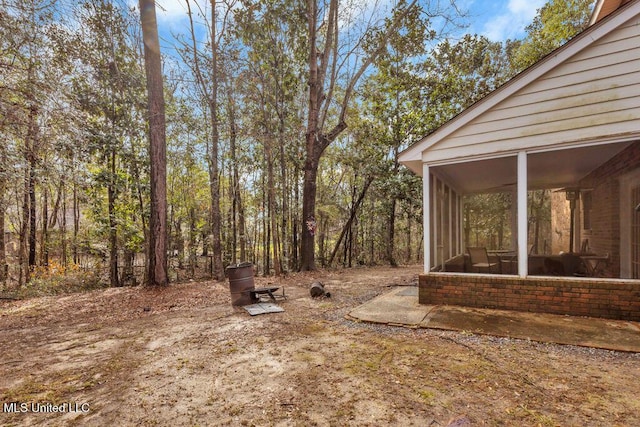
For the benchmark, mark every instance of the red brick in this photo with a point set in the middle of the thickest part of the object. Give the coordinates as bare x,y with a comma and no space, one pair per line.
563,296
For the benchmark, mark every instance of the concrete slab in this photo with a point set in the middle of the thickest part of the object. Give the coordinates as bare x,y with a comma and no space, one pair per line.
392,308
400,307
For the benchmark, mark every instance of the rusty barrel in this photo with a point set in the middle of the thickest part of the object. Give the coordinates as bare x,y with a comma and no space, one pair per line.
241,283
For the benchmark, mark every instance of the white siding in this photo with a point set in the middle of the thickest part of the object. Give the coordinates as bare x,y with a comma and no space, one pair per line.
593,95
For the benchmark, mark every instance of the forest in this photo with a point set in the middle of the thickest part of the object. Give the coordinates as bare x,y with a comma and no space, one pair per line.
284,122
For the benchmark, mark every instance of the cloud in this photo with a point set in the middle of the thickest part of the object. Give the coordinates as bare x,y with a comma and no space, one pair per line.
510,19
170,10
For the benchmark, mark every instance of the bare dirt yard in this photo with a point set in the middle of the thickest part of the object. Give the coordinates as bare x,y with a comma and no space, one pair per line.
183,356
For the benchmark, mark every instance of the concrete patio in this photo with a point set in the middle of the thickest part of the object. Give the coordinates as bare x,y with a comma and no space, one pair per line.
400,307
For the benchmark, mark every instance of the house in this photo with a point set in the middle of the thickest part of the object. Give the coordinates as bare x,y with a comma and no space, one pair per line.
569,122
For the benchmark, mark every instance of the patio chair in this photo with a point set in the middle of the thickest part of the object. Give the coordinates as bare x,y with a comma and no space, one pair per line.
480,260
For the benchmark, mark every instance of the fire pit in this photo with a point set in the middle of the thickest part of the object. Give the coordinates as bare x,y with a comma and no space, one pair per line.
241,283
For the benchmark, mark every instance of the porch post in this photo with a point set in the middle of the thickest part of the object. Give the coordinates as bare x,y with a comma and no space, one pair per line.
523,260
426,216
459,224
514,221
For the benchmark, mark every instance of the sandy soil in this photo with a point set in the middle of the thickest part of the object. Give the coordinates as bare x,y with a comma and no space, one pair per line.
183,356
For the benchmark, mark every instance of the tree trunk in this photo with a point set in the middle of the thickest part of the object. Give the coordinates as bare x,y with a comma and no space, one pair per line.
157,272
210,93
322,69
391,225
307,250
44,238
23,251
271,201
31,145
53,219
372,234
349,248
192,242
242,228
501,227
311,163
76,223
284,225
391,234
128,277
408,233
467,225
63,227
114,279
3,249
3,208
295,244
178,247
32,212
354,211
239,232
266,227
538,219
216,216
233,215
322,239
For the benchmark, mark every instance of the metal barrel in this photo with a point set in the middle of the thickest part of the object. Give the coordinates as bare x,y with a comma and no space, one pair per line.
241,283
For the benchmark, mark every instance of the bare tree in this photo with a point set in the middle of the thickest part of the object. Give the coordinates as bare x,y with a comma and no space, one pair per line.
208,87
325,68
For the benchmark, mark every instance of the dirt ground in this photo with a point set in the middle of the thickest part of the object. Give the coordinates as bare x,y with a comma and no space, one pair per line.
183,356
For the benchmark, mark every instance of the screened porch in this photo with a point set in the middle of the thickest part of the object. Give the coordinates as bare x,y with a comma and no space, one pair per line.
568,214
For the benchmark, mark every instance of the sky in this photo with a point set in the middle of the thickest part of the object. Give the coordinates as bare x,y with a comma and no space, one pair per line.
498,20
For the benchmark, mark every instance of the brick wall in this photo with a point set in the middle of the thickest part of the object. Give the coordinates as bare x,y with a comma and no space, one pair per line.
612,299
604,236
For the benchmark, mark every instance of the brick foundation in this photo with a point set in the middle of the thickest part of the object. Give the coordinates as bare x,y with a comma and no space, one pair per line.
612,299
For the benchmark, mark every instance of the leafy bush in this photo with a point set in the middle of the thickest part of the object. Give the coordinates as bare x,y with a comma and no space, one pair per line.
56,279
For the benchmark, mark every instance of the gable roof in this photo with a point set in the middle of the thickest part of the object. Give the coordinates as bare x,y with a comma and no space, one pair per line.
581,85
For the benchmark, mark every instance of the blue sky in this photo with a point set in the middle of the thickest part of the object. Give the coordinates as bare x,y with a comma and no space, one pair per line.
502,19
496,19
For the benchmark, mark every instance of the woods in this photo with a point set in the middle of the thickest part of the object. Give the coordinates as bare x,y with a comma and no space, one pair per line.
282,126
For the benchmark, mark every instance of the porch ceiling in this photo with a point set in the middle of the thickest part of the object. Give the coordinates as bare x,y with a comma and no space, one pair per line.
551,169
